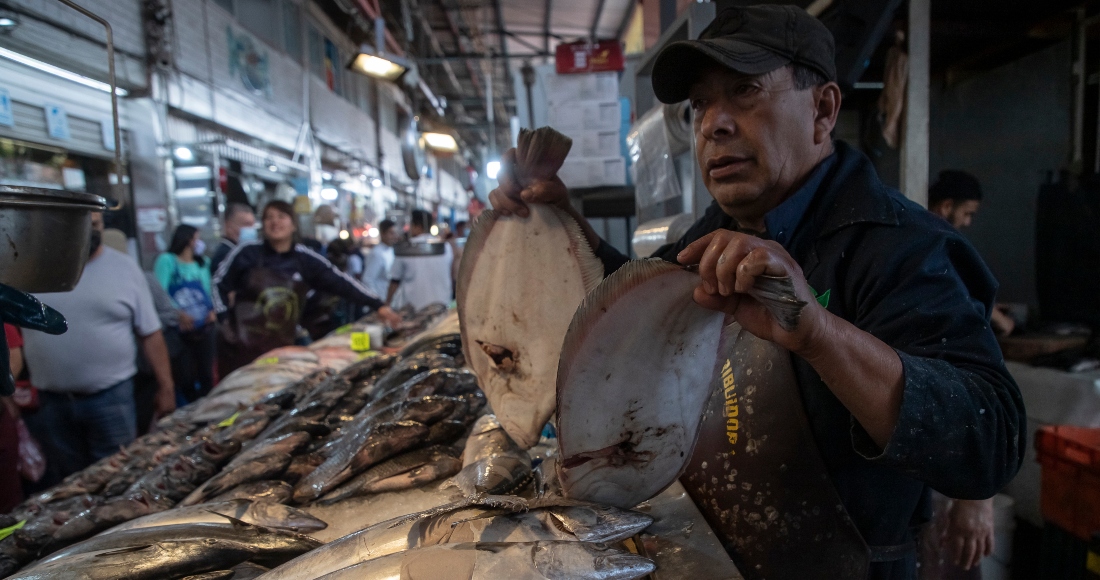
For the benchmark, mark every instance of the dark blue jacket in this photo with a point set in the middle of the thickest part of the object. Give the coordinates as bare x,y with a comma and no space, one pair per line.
895,270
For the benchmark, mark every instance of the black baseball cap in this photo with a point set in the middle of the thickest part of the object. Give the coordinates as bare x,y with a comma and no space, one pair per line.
751,40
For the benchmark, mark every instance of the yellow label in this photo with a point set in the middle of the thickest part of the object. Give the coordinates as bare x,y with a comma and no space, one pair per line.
732,408
342,330
267,361
232,419
1092,563
5,532
360,341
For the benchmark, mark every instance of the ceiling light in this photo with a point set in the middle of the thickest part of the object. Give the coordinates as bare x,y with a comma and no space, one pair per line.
441,142
60,72
492,168
329,193
326,175
184,154
376,182
344,234
373,232
272,167
385,67
434,230
8,23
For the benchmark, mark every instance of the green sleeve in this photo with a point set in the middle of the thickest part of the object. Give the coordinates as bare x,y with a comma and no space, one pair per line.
164,268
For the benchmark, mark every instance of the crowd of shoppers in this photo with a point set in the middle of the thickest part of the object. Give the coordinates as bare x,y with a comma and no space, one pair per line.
141,343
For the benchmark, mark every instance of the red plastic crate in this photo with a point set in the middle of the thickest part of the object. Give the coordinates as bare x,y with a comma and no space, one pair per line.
1070,491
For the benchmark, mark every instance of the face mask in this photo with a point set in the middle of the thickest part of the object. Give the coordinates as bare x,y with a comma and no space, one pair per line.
97,239
248,235
200,247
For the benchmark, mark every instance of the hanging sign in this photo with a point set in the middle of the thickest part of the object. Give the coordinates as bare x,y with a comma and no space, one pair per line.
588,57
7,115
57,123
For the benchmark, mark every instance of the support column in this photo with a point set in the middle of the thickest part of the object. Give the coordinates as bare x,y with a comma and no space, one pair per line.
914,149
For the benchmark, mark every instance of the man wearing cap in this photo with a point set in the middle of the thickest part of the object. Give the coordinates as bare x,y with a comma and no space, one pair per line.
900,376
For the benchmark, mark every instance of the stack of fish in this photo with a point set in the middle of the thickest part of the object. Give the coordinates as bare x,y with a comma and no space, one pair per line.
383,423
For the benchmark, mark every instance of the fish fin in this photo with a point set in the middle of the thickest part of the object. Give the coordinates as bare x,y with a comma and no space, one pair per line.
591,267
233,520
598,300
126,550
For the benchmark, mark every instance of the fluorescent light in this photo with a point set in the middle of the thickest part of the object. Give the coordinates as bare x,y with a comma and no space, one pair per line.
441,142
184,154
378,67
492,169
329,193
60,72
8,22
376,182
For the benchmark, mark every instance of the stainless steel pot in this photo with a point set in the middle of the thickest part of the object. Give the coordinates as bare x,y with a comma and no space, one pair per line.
44,237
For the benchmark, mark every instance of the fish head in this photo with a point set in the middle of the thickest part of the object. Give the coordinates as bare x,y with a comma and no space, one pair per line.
584,561
279,516
600,524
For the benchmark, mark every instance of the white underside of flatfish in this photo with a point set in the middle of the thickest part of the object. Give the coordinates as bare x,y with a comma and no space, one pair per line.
635,375
520,282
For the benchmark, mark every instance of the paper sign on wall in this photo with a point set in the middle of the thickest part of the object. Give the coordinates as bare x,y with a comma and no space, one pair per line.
57,122
7,115
152,219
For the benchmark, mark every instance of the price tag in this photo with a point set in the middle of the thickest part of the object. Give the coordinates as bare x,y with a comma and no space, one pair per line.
5,532
360,341
267,361
229,422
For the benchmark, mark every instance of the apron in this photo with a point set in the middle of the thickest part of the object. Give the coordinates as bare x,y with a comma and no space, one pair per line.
264,317
759,480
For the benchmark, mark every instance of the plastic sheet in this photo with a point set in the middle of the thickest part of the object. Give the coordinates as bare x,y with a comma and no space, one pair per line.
651,159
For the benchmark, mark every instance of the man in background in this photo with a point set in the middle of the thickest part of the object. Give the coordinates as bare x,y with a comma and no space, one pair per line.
376,272
85,376
240,222
422,279
956,197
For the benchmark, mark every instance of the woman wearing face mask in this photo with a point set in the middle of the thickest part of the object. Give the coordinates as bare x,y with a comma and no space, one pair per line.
261,288
184,274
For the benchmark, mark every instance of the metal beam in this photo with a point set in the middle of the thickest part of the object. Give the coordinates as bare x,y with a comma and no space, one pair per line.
914,153
596,19
626,19
477,57
546,26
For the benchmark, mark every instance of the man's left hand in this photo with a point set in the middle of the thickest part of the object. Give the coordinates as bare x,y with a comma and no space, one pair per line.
969,533
729,263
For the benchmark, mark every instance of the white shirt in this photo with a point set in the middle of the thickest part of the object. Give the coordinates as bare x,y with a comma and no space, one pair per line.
424,280
109,306
376,273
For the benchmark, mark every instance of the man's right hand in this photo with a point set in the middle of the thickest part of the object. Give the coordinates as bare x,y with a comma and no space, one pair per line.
187,324
511,197
969,534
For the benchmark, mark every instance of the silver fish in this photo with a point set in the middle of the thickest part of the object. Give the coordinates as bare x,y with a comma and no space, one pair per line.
515,561
272,547
264,460
492,463
492,521
261,513
367,482
155,561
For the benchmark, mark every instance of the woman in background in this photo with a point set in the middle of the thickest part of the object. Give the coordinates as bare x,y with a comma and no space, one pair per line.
185,276
269,281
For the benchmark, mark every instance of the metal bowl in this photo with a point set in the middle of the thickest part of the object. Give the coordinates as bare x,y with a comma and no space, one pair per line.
44,237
